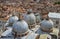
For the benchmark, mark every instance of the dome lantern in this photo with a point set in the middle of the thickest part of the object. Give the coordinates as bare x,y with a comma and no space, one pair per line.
20,17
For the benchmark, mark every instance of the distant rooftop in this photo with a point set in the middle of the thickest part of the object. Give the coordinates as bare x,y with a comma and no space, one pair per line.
54,15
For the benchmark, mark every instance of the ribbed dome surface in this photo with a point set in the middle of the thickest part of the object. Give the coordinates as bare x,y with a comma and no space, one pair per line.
30,18
47,24
20,27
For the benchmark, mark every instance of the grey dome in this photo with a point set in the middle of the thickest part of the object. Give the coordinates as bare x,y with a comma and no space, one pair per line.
13,19
30,18
47,24
20,27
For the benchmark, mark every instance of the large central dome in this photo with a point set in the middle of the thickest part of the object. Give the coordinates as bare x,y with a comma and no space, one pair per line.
20,27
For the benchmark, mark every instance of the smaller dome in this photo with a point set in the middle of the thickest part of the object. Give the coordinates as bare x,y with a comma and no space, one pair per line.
20,27
47,24
13,19
30,18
